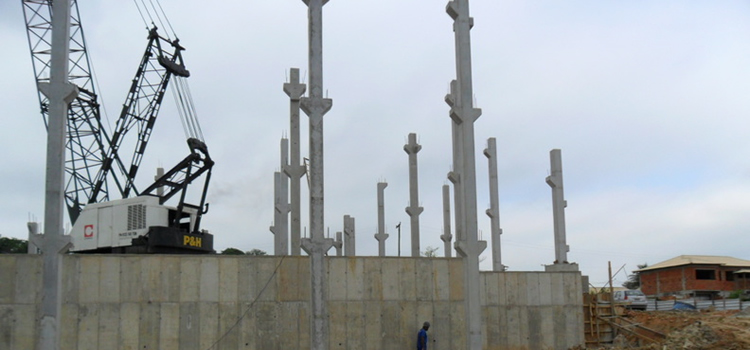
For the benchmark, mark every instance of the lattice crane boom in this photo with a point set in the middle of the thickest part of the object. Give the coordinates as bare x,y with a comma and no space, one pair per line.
140,111
87,139
94,158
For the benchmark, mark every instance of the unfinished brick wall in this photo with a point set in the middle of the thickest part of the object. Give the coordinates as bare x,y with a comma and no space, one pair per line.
683,278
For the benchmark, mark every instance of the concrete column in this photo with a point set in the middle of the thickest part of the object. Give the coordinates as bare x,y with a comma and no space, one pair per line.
280,226
412,148
53,242
33,228
349,236
381,236
494,211
315,106
555,182
159,174
454,176
446,236
295,169
464,115
338,244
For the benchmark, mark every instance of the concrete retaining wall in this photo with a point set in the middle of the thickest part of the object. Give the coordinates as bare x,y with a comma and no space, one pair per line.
240,302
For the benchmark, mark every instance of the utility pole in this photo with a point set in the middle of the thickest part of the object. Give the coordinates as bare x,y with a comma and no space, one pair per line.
53,242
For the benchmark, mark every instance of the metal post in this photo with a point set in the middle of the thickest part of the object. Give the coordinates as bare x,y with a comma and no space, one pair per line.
53,242
295,169
611,290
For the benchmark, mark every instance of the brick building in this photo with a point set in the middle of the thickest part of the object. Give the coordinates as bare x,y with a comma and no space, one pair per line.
695,276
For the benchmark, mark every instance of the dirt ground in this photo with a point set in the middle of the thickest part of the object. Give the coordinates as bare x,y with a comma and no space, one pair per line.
691,330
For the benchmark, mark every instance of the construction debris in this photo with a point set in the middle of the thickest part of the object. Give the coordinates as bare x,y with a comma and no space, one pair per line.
712,330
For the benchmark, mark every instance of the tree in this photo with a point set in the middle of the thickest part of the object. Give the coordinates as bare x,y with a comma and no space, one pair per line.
232,251
256,252
430,252
9,245
634,281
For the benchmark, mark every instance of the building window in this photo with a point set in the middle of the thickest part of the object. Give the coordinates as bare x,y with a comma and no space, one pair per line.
705,274
729,276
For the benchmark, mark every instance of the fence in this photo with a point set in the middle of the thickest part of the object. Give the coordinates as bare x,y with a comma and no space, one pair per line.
721,304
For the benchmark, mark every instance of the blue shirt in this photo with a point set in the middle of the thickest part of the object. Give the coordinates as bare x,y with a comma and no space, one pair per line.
422,340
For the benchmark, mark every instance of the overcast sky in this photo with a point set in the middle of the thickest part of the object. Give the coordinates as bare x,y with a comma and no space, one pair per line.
648,102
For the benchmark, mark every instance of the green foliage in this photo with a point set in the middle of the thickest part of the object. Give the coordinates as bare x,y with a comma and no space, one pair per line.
430,252
735,294
232,251
10,245
256,252
634,281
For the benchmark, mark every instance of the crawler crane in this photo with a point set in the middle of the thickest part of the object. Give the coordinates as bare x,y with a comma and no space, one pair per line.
108,213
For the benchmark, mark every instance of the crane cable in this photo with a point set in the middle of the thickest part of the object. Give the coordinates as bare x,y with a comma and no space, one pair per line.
145,23
161,23
154,15
166,18
186,109
180,89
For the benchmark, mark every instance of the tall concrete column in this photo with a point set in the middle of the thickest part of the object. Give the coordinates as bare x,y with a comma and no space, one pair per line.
381,236
280,226
446,236
494,211
454,176
315,106
339,244
555,182
33,229
464,115
412,148
53,242
349,236
159,174
295,169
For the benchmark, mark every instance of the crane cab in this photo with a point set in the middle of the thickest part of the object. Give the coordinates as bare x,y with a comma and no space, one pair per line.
139,225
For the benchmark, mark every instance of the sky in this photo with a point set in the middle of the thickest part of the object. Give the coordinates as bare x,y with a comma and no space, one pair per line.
647,101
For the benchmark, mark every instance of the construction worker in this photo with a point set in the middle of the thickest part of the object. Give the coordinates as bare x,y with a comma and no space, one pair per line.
422,337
